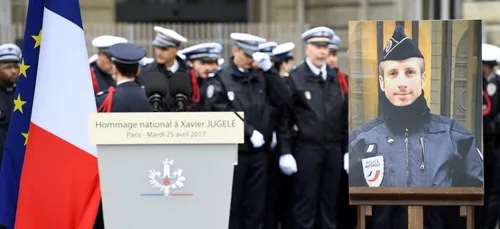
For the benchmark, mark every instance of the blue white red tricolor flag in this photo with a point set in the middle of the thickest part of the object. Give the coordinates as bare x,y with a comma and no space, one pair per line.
51,180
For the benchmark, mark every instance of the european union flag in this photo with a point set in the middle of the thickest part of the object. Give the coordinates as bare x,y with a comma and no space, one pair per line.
17,136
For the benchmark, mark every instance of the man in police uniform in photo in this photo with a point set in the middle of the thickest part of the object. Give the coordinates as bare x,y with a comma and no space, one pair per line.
100,64
317,112
202,60
491,132
10,56
406,145
240,87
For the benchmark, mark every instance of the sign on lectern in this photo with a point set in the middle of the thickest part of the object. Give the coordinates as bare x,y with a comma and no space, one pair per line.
166,170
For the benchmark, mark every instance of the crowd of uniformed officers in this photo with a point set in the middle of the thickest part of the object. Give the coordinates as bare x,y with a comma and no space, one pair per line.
290,172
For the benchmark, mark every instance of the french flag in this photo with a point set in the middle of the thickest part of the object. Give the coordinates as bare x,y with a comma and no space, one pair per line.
49,174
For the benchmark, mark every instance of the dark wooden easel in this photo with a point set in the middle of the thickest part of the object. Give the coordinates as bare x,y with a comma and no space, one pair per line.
415,198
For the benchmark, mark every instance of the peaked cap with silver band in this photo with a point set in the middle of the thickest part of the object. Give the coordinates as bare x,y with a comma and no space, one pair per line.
268,47
400,47
318,35
167,38
126,53
10,52
247,42
211,51
104,42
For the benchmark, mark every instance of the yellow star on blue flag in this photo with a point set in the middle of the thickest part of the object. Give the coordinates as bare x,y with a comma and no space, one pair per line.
17,137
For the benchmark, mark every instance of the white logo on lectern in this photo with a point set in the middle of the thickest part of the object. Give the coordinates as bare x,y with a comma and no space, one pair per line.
167,180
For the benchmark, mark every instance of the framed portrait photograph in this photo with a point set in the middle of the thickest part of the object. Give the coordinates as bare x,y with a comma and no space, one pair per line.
415,106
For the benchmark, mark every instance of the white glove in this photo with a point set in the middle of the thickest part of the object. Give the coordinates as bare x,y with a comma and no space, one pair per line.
274,142
263,60
346,162
288,165
257,139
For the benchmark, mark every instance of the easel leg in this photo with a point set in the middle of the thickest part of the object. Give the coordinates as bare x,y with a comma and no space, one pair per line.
470,217
361,217
415,217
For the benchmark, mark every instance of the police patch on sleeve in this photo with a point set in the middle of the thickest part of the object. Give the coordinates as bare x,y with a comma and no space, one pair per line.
210,91
491,89
373,170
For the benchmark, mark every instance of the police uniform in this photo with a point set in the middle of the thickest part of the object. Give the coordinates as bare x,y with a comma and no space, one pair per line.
279,202
491,133
205,52
102,80
316,113
165,38
8,53
411,147
346,217
236,89
127,96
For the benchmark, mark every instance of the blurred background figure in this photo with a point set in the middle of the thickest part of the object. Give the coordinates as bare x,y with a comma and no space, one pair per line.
100,64
202,60
491,133
10,58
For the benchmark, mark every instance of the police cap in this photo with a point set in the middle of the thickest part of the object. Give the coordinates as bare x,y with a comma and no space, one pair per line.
10,52
126,53
207,51
284,50
267,47
104,42
400,47
167,38
490,53
334,46
318,35
247,42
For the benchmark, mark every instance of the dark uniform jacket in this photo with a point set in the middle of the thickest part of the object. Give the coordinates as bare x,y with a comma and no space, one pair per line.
440,154
6,107
101,78
126,97
155,67
318,110
234,90
491,121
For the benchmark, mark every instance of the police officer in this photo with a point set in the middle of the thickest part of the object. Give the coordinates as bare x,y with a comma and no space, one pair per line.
317,113
283,58
491,132
407,146
279,202
347,217
167,44
128,96
202,60
100,64
10,56
239,87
